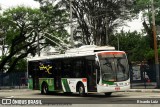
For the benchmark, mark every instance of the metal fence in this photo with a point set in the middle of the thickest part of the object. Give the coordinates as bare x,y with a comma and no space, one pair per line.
12,80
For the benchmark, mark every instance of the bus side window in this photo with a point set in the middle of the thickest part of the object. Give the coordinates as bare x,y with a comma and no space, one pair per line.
67,69
78,68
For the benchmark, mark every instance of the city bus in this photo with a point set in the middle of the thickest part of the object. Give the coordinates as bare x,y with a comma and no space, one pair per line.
84,70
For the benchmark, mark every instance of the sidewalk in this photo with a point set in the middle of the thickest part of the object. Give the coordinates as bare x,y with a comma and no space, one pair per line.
141,85
144,87
12,87
144,90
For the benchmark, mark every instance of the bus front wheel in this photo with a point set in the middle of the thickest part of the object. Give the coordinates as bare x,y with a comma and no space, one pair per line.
44,89
81,90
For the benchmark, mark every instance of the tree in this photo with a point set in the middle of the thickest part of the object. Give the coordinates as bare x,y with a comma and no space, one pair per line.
21,27
18,33
134,43
55,18
98,19
144,7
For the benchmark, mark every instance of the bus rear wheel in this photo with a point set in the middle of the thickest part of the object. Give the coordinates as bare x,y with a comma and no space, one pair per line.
81,90
44,89
108,94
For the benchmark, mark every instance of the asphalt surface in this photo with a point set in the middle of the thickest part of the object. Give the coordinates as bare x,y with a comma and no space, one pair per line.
135,87
119,99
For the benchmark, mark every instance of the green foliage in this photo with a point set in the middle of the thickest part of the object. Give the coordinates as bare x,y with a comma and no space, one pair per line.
145,7
21,26
141,5
150,54
55,18
133,43
21,65
97,19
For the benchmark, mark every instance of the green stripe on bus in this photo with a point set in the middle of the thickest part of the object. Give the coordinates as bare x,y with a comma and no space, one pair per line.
30,83
66,85
49,81
107,82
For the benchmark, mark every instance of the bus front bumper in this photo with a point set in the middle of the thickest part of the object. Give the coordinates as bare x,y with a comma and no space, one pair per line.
103,89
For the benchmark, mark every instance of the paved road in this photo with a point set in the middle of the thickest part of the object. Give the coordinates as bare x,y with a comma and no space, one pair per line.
26,93
62,99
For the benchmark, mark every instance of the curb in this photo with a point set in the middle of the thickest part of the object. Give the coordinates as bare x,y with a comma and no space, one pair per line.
144,90
15,90
9,89
12,87
4,90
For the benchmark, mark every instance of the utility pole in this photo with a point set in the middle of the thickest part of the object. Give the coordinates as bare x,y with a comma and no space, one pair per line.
155,45
71,26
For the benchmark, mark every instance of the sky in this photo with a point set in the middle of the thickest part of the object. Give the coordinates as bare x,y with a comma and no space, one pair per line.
12,3
133,25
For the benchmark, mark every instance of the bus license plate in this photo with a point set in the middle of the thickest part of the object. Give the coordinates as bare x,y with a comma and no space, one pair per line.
117,88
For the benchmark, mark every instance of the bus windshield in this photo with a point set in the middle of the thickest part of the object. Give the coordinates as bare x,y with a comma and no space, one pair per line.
114,66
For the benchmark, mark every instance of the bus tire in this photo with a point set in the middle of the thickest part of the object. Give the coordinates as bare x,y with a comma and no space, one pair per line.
44,89
81,90
108,94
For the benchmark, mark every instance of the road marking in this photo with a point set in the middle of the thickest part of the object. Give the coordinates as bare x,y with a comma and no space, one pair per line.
10,97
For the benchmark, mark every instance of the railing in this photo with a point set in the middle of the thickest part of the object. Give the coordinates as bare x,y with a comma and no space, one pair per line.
13,80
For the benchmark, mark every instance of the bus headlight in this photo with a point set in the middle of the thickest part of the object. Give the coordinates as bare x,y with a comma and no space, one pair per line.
105,85
127,83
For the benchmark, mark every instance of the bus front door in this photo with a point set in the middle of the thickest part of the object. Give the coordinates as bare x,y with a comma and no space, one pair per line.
57,82
91,74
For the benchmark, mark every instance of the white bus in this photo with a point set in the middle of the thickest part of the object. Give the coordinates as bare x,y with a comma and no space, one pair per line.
87,69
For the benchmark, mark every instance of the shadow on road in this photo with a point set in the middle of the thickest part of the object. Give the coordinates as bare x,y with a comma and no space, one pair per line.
94,95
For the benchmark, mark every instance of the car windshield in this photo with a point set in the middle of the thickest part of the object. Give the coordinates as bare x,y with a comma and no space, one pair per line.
114,66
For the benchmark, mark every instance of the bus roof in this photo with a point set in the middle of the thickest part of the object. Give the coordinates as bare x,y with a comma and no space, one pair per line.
89,49
57,56
86,50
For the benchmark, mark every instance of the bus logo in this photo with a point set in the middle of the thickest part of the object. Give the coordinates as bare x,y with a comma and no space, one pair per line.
46,68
